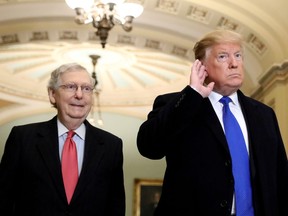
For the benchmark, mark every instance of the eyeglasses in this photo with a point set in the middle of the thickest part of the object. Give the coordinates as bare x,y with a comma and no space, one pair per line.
224,57
72,87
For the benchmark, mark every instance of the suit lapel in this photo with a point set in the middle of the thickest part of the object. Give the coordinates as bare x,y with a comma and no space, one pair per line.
250,113
47,144
93,153
252,120
213,123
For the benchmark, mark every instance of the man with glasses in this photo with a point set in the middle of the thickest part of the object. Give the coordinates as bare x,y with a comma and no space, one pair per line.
64,166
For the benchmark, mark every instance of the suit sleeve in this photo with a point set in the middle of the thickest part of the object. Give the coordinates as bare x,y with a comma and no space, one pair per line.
282,173
117,197
9,170
170,113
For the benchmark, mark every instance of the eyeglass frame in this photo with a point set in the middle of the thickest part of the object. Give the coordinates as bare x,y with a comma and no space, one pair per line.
73,88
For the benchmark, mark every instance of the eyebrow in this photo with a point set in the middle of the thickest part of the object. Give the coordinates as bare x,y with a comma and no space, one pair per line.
228,52
81,84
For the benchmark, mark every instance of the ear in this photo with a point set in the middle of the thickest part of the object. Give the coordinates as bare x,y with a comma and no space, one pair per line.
204,62
51,93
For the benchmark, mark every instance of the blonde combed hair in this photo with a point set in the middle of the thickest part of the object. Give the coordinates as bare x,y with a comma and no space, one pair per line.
216,37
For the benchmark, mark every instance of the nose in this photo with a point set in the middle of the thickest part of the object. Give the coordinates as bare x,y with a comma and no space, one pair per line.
79,93
233,62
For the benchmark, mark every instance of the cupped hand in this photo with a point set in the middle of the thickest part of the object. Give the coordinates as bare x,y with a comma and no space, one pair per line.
197,78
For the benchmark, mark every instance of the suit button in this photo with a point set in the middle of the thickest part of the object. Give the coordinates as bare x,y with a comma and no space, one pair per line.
223,203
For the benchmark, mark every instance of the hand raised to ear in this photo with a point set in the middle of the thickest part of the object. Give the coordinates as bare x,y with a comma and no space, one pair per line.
197,78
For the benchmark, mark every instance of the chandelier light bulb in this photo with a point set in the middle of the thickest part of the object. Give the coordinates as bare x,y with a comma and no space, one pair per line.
85,4
130,9
104,14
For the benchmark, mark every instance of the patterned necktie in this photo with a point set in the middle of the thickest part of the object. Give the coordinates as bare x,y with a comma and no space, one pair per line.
69,165
240,161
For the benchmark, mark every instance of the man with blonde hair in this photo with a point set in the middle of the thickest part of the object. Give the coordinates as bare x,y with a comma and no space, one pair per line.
224,151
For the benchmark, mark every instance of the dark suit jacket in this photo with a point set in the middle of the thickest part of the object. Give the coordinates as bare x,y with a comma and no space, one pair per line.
184,128
31,180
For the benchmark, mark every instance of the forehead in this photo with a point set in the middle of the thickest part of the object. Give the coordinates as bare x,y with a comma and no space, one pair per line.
79,76
226,47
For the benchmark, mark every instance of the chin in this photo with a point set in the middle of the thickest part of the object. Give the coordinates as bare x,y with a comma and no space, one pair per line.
78,116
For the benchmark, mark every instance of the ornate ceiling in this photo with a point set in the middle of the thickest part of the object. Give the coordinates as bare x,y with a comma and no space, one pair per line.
36,36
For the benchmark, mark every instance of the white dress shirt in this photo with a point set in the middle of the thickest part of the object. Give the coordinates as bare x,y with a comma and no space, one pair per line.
78,138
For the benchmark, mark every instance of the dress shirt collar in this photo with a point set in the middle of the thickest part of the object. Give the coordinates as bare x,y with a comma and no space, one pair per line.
80,131
214,97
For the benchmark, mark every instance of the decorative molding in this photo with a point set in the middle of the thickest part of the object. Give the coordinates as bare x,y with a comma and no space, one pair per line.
179,51
152,44
68,35
22,93
225,23
9,39
275,71
256,44
198,14
39,36
125,39
168,6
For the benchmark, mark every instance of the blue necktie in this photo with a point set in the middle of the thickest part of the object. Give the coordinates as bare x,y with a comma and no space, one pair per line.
240,161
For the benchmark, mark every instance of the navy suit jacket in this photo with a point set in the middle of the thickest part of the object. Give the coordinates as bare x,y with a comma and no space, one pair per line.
31,180
184,128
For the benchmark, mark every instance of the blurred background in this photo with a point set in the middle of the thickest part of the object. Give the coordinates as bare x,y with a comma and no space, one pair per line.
133,67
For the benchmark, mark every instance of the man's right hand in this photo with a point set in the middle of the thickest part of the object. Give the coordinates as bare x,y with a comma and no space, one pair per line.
197,78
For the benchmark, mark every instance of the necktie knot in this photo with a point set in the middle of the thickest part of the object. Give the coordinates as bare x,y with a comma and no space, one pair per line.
225,100
71,133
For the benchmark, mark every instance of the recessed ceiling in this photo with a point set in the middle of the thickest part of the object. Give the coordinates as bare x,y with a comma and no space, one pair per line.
154,58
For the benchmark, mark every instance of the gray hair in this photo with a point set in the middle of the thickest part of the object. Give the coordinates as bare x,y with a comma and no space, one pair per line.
54,81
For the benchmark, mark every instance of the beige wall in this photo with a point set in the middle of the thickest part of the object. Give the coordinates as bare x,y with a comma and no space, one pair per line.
273,91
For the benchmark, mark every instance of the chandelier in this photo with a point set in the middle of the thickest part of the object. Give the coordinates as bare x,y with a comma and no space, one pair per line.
104,14
97,91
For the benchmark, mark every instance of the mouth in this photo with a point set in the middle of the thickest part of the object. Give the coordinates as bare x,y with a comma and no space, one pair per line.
77,105
235,75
